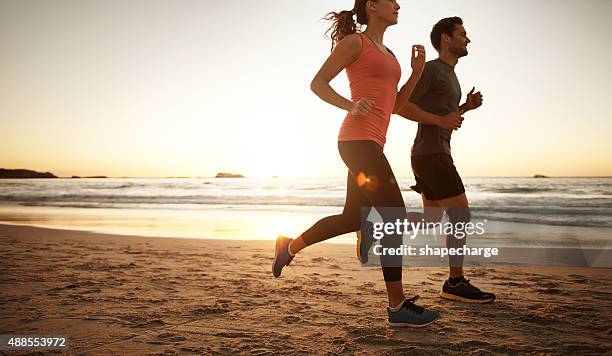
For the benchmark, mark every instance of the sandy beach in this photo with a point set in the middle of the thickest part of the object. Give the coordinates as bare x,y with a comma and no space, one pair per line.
127,295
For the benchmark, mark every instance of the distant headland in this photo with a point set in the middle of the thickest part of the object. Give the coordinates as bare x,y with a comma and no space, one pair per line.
28,174
23,173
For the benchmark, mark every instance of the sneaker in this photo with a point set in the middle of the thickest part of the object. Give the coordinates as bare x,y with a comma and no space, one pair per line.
364,244
282,257
411,315
464,291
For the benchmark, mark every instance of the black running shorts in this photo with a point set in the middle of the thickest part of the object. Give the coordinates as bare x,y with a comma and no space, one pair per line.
436,176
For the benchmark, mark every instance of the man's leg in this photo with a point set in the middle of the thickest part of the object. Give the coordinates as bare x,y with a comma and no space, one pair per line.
457,287
457,208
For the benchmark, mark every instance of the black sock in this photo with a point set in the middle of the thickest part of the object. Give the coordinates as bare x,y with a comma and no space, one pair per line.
455,280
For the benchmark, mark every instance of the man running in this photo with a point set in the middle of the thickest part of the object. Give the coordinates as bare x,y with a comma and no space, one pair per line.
434,104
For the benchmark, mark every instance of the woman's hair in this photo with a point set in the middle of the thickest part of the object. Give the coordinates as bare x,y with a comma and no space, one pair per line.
343,23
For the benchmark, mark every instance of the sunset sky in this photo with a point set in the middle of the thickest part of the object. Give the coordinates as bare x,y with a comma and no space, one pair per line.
191,88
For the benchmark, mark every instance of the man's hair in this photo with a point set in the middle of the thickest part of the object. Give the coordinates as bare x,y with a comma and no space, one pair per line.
447,26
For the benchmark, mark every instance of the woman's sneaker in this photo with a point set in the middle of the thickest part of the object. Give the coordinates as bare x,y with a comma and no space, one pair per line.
464,291
411,315
282,257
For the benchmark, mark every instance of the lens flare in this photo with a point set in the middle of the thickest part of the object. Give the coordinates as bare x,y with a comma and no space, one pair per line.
361,179
370,183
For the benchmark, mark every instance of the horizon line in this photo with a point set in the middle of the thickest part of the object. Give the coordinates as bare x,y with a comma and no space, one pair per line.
273,176
288,177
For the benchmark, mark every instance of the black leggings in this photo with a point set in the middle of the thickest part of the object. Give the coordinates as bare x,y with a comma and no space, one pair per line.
364,159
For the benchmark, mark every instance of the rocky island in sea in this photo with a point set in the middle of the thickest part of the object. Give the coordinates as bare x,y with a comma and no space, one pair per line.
229,175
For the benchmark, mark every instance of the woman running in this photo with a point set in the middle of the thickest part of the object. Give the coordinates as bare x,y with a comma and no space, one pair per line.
374,74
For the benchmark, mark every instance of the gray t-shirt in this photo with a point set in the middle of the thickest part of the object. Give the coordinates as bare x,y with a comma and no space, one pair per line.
437,92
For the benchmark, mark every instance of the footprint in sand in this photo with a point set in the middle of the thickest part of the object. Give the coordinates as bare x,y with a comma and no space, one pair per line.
150,324
378,340
552,291
232,334
537,319
363,331
292,319
170,337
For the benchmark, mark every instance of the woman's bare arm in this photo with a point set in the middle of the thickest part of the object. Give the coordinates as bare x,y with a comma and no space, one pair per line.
345,53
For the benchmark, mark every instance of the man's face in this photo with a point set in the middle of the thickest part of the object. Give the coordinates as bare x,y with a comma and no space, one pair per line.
459,41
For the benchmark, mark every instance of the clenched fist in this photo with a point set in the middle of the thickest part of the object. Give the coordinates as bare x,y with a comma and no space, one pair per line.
362,107
473,101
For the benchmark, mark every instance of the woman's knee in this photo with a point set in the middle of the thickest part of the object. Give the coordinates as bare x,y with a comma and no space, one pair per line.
351,220
388,195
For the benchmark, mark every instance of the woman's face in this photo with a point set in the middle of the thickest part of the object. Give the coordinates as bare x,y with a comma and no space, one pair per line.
385,10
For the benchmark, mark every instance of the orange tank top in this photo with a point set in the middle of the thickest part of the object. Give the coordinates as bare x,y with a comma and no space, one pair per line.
374,75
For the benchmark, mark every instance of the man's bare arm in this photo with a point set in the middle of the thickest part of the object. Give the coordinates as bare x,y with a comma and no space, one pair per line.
473,101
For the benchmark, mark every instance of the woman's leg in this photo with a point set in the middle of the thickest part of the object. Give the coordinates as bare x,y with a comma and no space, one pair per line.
371,182
374,177
378,183
379,188
323,229
335,225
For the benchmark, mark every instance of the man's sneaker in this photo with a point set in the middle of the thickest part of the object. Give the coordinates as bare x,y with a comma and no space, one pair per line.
364,244
282,257
464,291
411,315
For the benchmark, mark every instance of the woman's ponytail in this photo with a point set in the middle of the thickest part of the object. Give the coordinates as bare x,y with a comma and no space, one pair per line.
343,25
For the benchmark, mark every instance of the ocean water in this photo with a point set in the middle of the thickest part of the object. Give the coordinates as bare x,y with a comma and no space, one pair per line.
205,207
